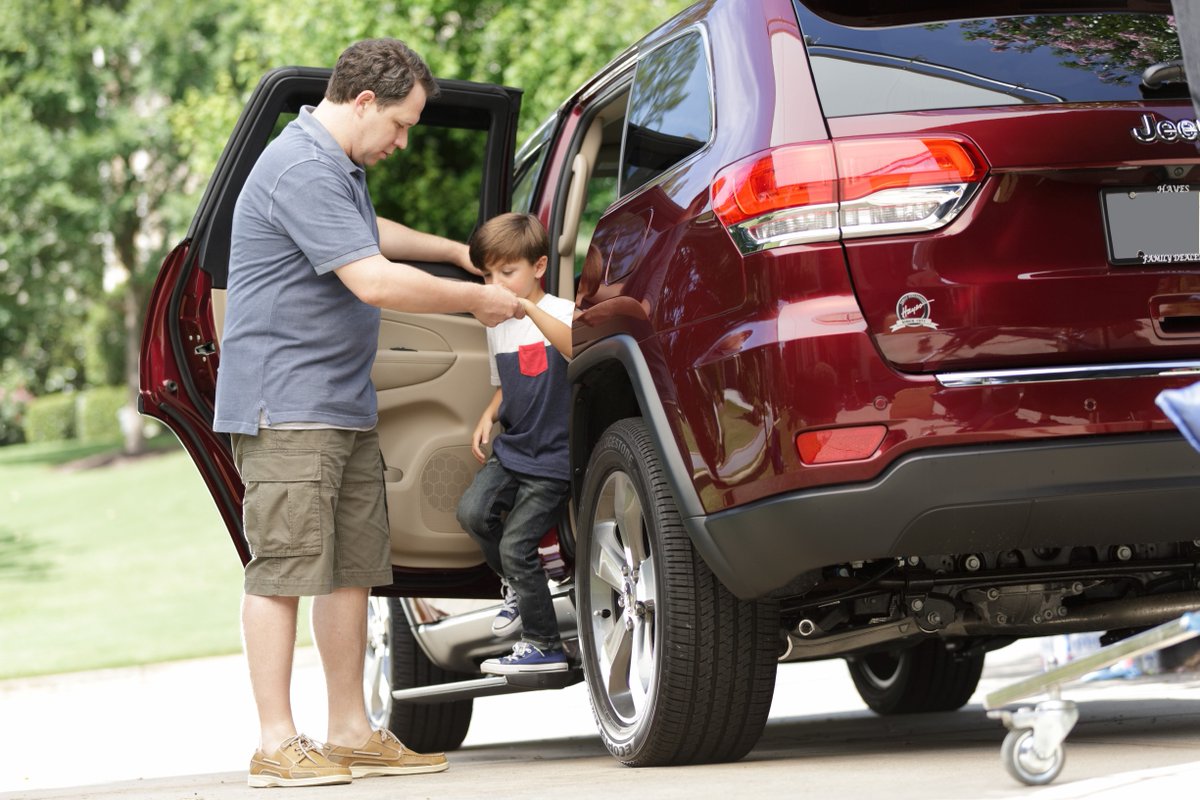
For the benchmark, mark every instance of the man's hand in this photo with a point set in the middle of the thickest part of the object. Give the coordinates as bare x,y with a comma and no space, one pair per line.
462,258
496,304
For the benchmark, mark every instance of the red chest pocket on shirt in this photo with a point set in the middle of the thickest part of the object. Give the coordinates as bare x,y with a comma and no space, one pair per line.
532,358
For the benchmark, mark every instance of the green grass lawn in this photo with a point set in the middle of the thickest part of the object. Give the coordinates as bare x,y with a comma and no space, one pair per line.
111,566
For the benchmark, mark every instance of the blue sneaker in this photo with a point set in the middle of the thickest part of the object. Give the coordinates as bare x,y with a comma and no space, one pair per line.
508,622
526,658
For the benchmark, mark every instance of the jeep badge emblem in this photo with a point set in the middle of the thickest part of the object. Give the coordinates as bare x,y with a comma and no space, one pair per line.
912,311
1150,131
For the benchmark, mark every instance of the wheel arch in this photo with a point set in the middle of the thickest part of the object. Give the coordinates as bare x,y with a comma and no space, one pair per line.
612,380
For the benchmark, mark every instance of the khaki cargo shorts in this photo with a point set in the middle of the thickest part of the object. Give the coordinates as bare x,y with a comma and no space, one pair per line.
314,511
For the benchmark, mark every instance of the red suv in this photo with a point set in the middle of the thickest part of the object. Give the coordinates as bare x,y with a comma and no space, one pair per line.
875,305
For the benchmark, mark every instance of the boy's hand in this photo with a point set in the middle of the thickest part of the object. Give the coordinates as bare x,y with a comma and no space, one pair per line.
495,305
480,438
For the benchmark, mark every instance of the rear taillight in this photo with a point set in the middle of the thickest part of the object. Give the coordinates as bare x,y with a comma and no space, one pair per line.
819,192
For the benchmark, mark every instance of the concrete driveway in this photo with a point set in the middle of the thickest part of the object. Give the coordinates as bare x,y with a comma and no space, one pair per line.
186,730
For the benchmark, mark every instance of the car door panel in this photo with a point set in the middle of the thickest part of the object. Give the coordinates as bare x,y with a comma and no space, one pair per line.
425,427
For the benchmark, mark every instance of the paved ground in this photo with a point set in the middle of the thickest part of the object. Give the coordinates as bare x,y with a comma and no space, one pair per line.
185,731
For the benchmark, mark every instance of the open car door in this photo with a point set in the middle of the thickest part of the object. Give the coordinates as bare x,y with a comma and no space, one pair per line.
431,371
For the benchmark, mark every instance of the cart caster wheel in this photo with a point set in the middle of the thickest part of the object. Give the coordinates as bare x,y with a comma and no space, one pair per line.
1023,763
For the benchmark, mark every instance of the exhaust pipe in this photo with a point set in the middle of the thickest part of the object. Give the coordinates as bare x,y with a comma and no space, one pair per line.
1139,612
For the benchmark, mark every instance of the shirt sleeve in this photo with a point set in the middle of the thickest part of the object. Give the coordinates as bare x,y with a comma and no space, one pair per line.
491,342
564,311
314,205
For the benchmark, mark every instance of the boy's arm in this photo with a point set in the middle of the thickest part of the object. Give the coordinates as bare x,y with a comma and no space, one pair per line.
484,426
551,327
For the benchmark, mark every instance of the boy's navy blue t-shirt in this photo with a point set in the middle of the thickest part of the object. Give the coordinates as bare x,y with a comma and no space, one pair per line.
534,408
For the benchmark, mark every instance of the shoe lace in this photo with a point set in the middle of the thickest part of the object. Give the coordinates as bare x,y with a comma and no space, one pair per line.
302,743
510,597
522,649
387,736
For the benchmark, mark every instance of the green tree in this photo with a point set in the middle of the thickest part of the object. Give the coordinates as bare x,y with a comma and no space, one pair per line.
548,48
94,175
116,111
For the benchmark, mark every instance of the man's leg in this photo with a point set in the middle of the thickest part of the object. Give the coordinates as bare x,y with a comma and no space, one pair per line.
340,630
269,637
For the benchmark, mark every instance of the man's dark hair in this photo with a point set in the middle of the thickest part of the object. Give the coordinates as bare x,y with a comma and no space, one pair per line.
387,67
509,237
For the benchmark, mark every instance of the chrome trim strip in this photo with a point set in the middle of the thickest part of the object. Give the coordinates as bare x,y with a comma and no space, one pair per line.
1004,377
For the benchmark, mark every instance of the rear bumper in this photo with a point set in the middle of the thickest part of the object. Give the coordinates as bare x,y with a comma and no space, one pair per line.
1089,491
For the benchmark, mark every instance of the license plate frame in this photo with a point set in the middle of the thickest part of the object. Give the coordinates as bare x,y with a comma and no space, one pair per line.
1152,226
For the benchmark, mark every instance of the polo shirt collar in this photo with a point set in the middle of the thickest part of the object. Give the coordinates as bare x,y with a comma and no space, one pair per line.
310,125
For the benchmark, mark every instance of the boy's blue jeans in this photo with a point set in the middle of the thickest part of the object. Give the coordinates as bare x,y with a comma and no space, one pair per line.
510,544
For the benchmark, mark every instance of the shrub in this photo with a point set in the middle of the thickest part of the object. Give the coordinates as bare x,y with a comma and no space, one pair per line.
96,412
12,415
50,418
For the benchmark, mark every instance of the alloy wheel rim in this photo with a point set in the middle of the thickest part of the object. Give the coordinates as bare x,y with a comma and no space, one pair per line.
377,672
882,669
623,594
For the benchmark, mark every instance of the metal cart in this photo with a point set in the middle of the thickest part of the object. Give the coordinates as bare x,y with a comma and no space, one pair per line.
1033,749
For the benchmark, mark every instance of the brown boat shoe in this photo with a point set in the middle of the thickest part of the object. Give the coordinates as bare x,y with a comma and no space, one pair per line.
299,761
384,754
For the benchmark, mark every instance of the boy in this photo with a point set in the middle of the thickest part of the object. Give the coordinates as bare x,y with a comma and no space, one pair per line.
527,474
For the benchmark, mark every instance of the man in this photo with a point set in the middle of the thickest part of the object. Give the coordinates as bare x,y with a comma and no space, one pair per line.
310,265
1187,22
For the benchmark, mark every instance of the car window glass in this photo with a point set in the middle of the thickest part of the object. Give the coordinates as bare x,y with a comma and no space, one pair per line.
1037,58
435,184
670,110
527,167
602,193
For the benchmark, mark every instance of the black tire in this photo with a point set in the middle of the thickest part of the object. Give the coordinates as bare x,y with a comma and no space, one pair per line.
924,678
678,669
396,661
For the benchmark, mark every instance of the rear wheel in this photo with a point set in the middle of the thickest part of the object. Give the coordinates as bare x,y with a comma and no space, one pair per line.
678,669
396,661
924,678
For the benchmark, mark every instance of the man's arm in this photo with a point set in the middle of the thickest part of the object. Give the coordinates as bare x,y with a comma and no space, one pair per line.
401,243
551,327
383,283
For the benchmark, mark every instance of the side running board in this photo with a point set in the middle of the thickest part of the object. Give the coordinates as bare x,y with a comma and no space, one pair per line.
486,687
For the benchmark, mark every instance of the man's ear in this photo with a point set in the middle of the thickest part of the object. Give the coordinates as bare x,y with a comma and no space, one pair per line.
364,98
539,267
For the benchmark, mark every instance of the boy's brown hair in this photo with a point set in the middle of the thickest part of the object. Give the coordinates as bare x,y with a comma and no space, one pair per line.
387,67
509,237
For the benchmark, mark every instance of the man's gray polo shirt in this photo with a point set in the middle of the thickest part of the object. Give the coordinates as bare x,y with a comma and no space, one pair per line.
299,345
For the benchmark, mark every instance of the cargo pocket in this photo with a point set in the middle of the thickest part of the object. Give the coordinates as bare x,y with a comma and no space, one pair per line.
281,509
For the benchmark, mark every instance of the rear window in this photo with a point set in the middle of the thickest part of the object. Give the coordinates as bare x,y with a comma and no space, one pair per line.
1042,58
